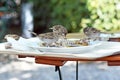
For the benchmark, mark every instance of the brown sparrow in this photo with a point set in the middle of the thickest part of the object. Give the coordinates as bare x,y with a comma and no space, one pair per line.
95,34
51,38
59,31
91,32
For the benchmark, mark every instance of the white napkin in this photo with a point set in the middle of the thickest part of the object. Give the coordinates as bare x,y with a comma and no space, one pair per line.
24,44
112,35
28,46
102,50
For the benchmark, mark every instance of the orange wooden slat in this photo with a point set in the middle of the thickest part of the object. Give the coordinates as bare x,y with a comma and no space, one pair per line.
50,62
113,63
109,58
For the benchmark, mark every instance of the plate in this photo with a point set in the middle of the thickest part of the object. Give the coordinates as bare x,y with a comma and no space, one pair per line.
79,49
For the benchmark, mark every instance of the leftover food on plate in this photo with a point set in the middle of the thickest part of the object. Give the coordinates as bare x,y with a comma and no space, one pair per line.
67,43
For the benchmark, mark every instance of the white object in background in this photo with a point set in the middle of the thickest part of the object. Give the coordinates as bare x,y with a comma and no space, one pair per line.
24,44
27,19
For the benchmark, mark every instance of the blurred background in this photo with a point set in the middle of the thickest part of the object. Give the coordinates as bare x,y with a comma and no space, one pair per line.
74,15
19,16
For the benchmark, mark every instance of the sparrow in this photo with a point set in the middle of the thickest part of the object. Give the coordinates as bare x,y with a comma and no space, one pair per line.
53,38
59,31
91,32
96,34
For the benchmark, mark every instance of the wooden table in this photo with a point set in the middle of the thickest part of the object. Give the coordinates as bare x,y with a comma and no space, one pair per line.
113,60
60,61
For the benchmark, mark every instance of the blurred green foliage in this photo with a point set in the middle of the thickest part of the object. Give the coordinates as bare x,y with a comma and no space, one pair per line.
104,15
77,14
69,13
41,11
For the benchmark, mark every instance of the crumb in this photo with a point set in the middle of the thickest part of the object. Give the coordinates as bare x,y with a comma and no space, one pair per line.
16,37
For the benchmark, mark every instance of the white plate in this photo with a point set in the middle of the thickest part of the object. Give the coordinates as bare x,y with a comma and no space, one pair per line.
79,49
